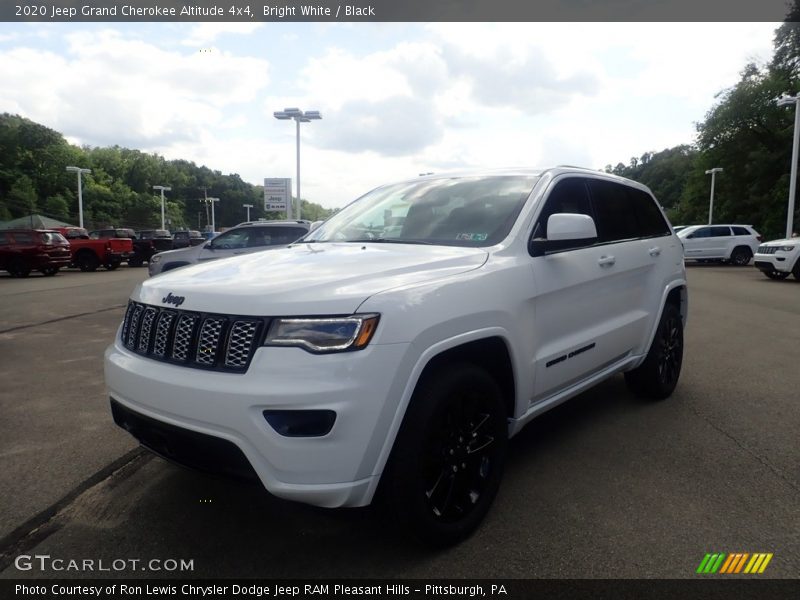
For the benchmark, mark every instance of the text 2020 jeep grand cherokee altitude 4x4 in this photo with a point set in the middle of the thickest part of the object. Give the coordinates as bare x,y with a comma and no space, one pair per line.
406,339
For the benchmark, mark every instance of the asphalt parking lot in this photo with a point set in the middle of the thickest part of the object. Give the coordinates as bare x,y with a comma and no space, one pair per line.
604,486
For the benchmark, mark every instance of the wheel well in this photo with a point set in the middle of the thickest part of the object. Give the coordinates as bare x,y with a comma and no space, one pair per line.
677,297
84,252
489,353
747,249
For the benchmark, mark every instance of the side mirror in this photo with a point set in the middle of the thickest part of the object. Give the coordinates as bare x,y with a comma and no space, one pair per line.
564,231
208,245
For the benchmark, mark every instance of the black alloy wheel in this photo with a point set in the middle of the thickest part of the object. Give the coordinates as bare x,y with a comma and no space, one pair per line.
658,375
741,257
448,458
87,262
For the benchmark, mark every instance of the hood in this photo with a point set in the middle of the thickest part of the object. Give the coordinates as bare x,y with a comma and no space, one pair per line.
785,242
306,279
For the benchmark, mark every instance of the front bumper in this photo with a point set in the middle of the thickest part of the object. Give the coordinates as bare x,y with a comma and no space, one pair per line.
332,470
780,261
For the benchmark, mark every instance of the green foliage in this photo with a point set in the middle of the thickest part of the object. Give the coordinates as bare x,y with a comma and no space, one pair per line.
119,190
748,136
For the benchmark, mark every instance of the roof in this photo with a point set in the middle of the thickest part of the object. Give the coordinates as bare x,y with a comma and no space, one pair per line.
34,222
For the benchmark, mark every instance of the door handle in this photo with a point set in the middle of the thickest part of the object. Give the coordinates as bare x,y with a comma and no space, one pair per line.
240,252
606,261
654,251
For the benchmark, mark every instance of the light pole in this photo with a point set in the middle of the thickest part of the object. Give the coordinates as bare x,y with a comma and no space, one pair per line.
713,172
79,171
792,101
213,222
248,207
163,189
299,117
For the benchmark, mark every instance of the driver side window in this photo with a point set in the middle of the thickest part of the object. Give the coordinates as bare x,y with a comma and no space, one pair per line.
568,196
230,240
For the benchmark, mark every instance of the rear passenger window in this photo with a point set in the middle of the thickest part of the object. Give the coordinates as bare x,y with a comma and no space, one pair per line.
651,221
615,211
720,231
568,196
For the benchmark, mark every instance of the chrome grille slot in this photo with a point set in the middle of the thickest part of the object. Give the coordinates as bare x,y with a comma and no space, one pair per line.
240,343
192,339
209,341
133,328
163,330
147,328
183,337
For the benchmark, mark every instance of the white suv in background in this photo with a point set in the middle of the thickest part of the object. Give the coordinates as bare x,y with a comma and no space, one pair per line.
400,344
778,259
735,244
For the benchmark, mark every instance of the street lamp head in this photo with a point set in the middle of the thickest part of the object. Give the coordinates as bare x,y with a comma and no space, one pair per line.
78,170
293,112
787,100
313,114
714,170
281,115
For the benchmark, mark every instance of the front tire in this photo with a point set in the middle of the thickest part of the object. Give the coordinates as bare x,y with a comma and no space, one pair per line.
658,375
779,275
448,458
49,271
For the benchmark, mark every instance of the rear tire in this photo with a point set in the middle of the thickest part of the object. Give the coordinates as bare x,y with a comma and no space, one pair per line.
18,267
135,262
49,271
447,462
658,375
87,262
112,266
796,269
741,256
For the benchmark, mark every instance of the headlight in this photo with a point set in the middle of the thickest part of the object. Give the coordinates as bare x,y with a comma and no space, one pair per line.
329,334
787,248
155,258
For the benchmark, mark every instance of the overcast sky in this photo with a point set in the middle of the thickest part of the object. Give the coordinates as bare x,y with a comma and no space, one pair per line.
396,99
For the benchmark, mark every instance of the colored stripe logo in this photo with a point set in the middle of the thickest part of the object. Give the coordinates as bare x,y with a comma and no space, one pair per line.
735,563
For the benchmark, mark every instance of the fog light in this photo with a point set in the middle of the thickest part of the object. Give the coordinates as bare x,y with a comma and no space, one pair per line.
301,423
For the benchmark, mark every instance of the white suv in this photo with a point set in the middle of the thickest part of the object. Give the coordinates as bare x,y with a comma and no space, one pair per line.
732,243
400,344
778,259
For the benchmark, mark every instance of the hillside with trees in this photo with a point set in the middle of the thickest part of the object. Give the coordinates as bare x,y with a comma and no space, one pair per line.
746,134
119,191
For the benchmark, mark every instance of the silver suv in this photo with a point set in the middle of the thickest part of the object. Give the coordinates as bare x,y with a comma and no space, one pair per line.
245,238
735,244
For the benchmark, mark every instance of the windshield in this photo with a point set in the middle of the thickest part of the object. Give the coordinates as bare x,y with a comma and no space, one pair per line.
458,211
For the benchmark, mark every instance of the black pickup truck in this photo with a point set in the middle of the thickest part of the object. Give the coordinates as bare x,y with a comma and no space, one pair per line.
147,243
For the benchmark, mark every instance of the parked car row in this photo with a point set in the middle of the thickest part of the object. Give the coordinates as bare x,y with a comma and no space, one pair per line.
738,245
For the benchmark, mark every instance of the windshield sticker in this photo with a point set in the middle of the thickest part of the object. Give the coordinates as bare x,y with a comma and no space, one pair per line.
472,237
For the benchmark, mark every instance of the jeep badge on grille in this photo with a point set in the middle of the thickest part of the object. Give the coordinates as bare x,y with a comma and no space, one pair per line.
170,299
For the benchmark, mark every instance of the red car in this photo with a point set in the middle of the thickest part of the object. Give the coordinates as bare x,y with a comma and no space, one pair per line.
23,250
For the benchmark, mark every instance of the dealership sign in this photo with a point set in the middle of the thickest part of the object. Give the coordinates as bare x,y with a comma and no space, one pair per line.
277,193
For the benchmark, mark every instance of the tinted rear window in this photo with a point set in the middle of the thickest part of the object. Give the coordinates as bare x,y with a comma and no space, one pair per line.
740,231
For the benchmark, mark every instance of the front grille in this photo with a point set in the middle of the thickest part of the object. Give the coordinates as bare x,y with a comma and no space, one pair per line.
767,249
193,339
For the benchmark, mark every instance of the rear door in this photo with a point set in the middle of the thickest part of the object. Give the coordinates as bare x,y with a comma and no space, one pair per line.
722,241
